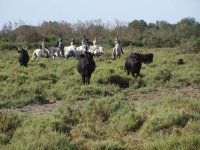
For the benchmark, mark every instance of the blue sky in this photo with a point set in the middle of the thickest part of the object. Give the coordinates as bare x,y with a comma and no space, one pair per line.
34,12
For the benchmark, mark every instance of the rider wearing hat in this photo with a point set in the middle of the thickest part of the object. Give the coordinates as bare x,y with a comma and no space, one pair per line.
95,42
44,46
117,41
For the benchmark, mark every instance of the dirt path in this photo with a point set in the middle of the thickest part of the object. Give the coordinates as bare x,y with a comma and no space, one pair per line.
37,110
46,109
187,91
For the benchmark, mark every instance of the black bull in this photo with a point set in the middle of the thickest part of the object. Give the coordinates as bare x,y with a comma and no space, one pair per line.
86,66
133,64
146,58
23,57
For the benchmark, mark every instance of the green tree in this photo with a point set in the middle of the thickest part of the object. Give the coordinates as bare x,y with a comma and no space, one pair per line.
187,27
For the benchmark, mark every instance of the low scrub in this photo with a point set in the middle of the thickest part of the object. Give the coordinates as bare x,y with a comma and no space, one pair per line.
176,143
9,122
166,121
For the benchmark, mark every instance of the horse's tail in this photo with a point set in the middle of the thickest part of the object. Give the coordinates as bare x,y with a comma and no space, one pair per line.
34,55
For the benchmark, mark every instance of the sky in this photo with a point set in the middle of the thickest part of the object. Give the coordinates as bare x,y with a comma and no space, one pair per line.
34,12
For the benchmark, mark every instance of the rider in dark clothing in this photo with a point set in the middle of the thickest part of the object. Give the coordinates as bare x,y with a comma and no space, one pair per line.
61,46
72,42
57,42
85,43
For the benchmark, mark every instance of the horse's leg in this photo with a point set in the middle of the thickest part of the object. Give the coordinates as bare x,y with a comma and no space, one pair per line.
114,55
33,56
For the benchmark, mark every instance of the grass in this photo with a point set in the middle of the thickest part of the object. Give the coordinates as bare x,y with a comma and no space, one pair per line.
113,112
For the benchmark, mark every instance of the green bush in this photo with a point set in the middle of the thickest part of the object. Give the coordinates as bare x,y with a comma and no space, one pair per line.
163,76
65,122
39,96
196,81
125,42
37,133
7,45
136,43
128,120
105,145
175,143
9,122
152,42
166,121
191,45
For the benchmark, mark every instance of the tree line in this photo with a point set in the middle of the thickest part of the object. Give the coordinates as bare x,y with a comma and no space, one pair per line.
185,34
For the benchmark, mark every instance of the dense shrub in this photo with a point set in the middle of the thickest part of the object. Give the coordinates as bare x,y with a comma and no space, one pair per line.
163,76
36,133
9,122
191,45
7,45
175,143
165,122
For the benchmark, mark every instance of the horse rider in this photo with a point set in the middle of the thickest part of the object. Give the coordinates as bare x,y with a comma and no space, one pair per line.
44,47
85,43
61,46
95,43
72,42
117,41
57,42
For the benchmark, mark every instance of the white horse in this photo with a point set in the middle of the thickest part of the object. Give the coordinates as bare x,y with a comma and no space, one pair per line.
80,49
53,51
117,50
96,50
70,51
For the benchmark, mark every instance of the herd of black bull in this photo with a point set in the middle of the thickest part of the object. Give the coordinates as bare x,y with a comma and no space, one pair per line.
86,64
134,62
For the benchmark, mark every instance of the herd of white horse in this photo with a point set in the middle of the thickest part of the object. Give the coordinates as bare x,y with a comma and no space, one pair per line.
74,51
69,51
